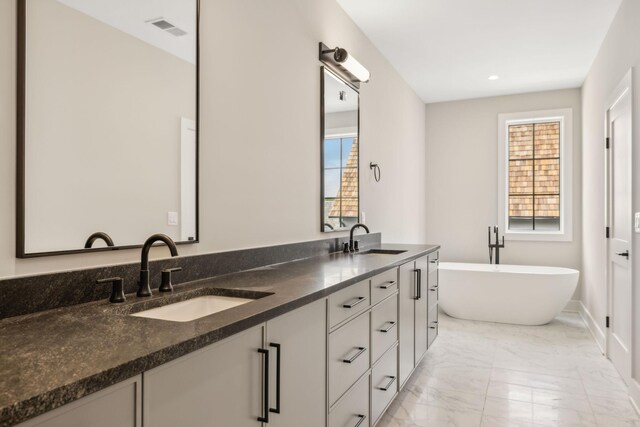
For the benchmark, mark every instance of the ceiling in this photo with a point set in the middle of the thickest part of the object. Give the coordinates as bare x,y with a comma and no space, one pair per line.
133,16
447,49
332,102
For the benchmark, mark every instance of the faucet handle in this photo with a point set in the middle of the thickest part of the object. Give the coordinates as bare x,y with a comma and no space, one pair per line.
356,245
166,285
345,247
117,292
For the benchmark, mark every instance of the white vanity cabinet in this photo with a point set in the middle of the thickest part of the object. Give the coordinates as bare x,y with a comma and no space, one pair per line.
219,385
362,355
224,384
117,405
418,296
299,339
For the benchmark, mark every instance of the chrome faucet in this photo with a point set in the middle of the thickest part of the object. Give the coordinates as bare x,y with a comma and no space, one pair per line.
144,290
354,246
497,245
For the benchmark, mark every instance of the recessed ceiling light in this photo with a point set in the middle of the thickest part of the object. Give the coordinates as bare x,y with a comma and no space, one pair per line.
494,77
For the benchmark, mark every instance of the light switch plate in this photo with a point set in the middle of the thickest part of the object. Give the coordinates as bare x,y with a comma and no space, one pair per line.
172,218
637,222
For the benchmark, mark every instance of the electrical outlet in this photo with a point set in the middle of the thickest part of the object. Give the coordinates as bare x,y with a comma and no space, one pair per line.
172,218
637,222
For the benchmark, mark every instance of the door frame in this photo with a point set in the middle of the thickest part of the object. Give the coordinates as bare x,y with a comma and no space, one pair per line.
625,87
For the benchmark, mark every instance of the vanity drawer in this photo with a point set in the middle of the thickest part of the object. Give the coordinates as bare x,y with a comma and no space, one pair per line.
384,383
384,326
434,261
432,330
348,302
434,291
353,410
348,355
384,285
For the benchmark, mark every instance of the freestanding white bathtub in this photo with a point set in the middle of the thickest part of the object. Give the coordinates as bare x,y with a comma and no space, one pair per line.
524,295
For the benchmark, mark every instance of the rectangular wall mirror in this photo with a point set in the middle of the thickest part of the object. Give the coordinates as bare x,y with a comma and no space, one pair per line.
340,117
107,124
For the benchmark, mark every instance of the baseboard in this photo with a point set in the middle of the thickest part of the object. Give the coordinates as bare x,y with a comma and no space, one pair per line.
592,325
572,306
634,394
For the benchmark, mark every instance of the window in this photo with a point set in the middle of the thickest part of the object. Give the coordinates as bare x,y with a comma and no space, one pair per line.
535,164
340,182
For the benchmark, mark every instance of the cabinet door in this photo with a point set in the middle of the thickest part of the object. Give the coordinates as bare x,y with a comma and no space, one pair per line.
406,315
118,405
420,279
217,386
299,338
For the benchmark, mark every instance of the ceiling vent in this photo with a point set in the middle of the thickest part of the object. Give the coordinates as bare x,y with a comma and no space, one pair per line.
167,26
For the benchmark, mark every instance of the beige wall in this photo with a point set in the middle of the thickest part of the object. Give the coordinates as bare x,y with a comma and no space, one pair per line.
260,133
619,52
104,116
462,180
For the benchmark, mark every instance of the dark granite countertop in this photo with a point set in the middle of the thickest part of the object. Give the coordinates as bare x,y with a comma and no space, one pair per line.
51,358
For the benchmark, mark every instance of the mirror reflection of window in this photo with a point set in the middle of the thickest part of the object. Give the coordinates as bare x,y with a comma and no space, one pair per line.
340,200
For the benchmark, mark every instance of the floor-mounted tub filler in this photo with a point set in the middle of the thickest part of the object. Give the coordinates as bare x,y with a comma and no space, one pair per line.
519,294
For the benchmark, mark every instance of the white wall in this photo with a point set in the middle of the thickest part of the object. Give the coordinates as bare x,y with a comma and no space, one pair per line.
619,52
260,133
462,179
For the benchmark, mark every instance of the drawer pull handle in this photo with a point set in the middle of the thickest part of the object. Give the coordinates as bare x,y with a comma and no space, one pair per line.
389,384
361,420
355,356
357,301
434,288
434,261
388,284
278,347
391,326
265,383
435,322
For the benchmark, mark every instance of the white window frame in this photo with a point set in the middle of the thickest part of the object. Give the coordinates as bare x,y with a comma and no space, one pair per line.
565,117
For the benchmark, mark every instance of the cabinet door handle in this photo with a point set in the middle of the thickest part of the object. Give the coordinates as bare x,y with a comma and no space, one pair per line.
392,324
361,419
418,280
357,301
434,288
389,384
265,392
388,284
355,356
278,348
435,322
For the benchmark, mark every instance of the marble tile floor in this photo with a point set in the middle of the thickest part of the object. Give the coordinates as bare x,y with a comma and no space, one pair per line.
480,374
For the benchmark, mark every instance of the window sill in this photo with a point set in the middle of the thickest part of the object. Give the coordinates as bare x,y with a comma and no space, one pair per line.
538,236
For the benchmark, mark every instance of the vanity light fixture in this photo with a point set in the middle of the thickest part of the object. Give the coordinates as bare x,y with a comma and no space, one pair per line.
339,60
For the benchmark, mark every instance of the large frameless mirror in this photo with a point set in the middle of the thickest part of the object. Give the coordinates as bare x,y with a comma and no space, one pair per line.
108,124
340,153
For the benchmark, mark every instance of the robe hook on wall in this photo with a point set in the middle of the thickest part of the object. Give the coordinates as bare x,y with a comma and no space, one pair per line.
376,171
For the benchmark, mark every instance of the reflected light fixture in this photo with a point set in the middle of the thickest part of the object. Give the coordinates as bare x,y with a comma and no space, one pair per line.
340,60
493,77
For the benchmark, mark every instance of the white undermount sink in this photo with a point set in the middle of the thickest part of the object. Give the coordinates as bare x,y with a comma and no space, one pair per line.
192,309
